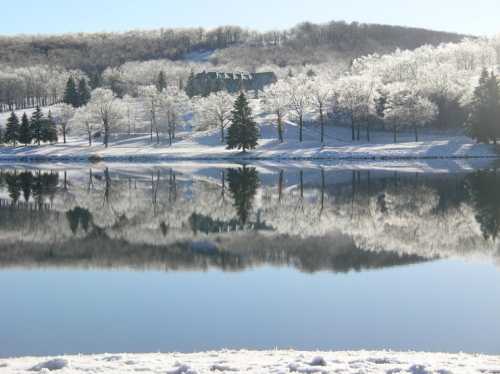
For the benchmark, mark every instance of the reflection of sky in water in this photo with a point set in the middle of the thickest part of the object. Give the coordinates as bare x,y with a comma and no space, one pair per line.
271,227
446,305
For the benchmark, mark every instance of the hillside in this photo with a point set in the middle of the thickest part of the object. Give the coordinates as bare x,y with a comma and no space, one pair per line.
94,52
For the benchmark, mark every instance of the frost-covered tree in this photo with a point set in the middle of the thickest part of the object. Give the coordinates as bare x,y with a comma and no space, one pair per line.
62,119
151,99
85,121
300,101
174,105
107,109
406,107
214,111
355,96
276,100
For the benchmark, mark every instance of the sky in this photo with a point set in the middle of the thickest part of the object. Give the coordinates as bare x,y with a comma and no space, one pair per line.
475,17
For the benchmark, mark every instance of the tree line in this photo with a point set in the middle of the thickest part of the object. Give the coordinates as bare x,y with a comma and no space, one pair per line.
38,129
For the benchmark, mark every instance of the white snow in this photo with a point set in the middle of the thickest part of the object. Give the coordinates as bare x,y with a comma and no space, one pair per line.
276,361
206,145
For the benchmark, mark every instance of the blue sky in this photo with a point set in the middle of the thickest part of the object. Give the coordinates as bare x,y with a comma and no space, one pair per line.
480,17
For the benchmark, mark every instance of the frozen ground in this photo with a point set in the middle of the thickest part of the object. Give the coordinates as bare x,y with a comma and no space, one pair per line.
259,362
207,146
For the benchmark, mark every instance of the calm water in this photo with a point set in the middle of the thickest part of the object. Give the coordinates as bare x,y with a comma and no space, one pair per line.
136,258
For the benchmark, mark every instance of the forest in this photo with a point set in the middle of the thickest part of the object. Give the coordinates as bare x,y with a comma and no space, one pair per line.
365,77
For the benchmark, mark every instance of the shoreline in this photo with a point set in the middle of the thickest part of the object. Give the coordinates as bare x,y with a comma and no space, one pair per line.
272,361
233,158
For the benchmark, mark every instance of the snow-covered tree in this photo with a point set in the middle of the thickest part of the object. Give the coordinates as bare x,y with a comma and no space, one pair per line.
108,109
406,107
174,105
62,119
300,100
85,121
276,100
214,111
355,96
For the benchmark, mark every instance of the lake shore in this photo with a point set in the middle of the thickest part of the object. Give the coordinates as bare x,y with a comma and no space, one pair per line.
140,148
275,361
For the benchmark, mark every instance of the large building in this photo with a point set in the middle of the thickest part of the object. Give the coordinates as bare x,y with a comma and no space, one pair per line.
207,82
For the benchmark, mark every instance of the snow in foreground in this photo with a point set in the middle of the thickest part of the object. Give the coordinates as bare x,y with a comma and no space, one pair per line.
259,362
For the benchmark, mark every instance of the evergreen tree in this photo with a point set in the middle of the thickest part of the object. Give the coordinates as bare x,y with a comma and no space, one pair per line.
243,132
71,96
493,108
36,124
83,92
49,129
12,129
161,83
483,122
25,130
190,86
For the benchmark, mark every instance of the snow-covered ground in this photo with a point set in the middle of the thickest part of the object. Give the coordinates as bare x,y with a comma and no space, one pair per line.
260,362
207,146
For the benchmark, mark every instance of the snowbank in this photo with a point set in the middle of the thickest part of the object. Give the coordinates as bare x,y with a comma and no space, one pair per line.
260,362
207,146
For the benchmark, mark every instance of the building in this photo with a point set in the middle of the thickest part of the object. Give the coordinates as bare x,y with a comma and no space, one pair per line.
207,82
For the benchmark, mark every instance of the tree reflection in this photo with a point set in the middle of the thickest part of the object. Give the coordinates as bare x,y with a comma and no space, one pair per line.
484,192
243,183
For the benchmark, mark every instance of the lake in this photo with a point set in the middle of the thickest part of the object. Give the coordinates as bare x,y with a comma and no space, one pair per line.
189,257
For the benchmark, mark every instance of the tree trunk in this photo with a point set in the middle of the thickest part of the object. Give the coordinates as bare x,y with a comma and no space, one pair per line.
352,129
368,131
301,125
280,129
322,122
222,139
394,133
358,137
64,134
415,129
106,133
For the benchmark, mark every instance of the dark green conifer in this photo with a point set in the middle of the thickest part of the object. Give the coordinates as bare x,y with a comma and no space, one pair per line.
161,83
12,129
243,132
71,96
83,92
25,130
37,124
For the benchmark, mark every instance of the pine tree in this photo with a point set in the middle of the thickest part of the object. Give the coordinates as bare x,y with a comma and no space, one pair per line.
243,132
25,130
493,108
49,129
484,116
71,96
190,87
83,92
36,124
12,129
161,83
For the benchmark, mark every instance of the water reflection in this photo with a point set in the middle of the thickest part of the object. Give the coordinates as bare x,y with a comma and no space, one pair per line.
244,216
